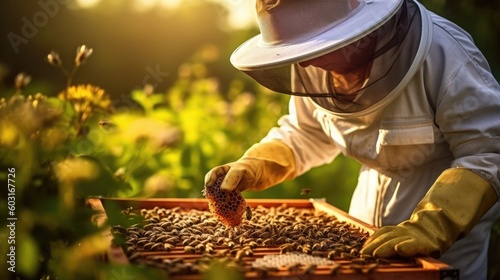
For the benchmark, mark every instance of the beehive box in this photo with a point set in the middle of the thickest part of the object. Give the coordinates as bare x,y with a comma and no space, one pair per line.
282,238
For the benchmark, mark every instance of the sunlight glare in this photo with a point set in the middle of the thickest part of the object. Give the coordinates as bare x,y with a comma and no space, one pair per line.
144,5
170,4
242,16
241,13
87,3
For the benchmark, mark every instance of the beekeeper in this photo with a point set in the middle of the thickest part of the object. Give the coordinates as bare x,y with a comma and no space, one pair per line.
403,91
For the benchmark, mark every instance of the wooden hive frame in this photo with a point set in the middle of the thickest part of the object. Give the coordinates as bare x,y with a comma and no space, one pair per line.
419,268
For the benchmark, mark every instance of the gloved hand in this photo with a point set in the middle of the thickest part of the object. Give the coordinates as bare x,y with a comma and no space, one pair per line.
452,206
262,166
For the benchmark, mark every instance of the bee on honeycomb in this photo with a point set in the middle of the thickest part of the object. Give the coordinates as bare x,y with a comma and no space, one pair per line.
228,207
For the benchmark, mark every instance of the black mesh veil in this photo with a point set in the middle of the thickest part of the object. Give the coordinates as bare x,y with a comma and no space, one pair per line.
396,44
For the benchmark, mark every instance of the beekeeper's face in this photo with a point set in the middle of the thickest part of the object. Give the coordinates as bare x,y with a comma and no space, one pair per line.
346,59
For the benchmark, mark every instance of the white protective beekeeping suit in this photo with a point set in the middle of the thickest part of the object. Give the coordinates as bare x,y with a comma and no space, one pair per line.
423,117
441,114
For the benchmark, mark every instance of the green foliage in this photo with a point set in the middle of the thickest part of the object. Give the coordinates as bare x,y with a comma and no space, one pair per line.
75,144
47,222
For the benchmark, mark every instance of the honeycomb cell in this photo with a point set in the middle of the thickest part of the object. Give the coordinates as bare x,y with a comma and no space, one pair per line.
228,207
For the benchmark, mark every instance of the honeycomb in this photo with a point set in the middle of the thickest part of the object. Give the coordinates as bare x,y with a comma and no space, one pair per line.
228,207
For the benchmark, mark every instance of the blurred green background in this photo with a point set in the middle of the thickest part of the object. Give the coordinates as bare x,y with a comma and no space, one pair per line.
176,109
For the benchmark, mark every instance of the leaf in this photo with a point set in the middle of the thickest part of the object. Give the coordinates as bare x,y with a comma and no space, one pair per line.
9,134
148,102
85,176
28,255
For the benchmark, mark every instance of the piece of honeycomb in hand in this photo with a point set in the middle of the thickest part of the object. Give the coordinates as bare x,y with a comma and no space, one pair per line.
228,207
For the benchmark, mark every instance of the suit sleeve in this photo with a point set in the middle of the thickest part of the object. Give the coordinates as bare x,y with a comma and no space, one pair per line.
304,132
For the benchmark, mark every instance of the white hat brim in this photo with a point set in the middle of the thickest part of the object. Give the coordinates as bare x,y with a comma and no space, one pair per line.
255,55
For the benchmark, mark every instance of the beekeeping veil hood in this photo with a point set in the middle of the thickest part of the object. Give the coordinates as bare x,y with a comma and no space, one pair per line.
294,31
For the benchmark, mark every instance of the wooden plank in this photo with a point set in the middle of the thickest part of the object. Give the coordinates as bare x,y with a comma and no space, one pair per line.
322,205
199,203
115,254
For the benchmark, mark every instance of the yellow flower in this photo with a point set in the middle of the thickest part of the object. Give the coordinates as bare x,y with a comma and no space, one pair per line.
87,98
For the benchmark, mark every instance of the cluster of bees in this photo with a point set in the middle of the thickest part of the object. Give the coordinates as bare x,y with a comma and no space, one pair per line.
183,241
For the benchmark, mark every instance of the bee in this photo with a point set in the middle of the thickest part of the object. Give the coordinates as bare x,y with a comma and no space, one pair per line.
130,242
334,269
367,257
248,212
239,255
252,244
306,249
356,267
200,247
135,255
189,249
265,235
157,246
220,240
347,256
305,191
131,249
207,238
209,223
106,124
209,248
256,233
149,226
167,246
354,251
162,212
267,242
133,235
194,243
358,261
165,225
142,242
323,245
286,248
369,268
263,271
158,229
294,268
382,261
171,240
248,251
149,245
332,254
319,234
196,231
315,220
309,269
222,253
208,230
281,240
152,220
242,240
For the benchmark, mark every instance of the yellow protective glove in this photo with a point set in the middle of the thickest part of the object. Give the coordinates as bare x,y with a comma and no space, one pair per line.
262,166
452,206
